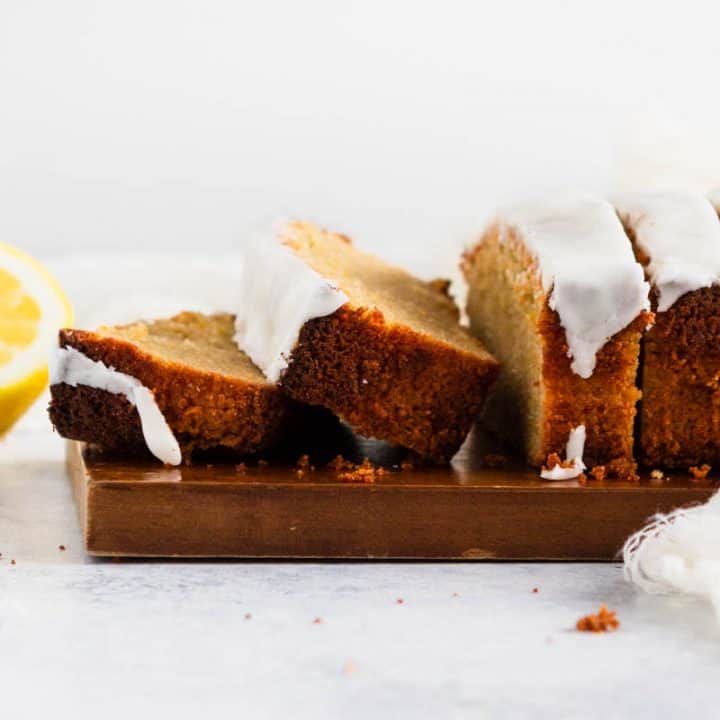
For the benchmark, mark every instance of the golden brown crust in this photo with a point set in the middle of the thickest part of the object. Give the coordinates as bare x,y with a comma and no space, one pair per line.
605,402
680,412
203,409
538,399
390,382
101,418
679,420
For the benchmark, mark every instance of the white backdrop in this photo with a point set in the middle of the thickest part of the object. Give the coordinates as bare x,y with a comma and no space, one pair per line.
177,126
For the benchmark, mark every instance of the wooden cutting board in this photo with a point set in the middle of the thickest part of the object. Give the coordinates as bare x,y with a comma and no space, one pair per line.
463,512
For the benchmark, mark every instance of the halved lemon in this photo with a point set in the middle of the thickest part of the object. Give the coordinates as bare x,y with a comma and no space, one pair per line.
32,309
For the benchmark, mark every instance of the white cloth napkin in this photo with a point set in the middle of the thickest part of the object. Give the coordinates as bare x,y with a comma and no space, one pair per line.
678,552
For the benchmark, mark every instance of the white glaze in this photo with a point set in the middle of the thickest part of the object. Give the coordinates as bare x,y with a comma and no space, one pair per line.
279,293
72,367
680,233
588,267
573,452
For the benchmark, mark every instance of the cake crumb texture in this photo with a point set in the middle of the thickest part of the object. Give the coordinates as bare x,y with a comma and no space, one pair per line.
604,620
538,399
680,411
209,392
393,362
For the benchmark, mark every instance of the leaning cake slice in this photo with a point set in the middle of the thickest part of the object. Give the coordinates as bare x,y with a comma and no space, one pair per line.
557,296
169,386
380,348
677,238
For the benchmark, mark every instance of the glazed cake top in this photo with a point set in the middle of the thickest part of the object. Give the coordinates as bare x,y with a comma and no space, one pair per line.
587,268
679,236
302,272
279,293
72,367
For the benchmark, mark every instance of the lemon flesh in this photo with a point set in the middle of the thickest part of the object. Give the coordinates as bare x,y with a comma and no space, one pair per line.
32,309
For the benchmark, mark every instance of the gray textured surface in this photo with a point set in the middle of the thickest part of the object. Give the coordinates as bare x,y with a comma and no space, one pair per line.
112,639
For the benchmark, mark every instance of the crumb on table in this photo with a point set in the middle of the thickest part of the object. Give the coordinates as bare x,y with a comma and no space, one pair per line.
598,473
604,620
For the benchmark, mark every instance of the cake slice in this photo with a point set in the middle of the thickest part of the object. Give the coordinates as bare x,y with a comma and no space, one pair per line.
169,386
676,236
557,296
378,347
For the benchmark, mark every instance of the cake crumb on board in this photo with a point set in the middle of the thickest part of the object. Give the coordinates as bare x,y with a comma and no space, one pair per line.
554,460
495,460
699,473
303,467
365,472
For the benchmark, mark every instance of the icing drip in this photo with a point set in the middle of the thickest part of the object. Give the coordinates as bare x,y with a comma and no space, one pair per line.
680,234
573,452
74,368
587,266
279,293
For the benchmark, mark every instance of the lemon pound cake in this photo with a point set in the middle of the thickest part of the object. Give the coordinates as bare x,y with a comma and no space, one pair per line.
170,386
378,347
557,296
677,238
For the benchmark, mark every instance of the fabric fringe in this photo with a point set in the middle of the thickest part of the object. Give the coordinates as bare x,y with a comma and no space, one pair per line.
678,553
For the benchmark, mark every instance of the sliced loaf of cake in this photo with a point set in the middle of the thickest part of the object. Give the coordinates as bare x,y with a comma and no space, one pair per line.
380,348
169,386
557,296
676,236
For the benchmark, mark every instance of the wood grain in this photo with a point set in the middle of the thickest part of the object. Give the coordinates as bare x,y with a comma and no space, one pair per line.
462,512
